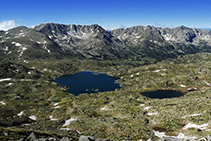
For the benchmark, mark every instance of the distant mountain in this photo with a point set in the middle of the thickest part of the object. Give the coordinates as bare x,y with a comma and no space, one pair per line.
50,40
205,28
150,41
90,41
22,42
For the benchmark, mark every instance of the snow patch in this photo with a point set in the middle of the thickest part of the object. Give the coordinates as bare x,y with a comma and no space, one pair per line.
191,88
20,114
23,49
55,104
80,34
159,134
33,117
20,34
181,85
9,84
179,136
155,42
53,119
207,83
190,125
191,115
104,108
3,103
157,71
45,69
25,79
57,107
148,107
69,121
17,44
167,37
25,61
151,114
66,129
5,79
182,136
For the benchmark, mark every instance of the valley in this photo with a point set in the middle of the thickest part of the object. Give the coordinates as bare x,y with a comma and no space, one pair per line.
120,114
144,59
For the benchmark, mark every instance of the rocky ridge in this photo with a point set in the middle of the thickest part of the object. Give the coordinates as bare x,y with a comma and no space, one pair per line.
50,40
156,42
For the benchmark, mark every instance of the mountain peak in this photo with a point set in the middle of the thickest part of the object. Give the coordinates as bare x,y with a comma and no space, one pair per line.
93,41
182,27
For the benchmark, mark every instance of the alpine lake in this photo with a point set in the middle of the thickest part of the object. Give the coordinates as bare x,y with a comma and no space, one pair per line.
93,82
161,94
88,82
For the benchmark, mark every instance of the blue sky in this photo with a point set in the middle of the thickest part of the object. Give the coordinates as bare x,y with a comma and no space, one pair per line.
107,13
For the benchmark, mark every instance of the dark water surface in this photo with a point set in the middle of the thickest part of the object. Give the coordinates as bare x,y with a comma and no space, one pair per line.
160,94
88,82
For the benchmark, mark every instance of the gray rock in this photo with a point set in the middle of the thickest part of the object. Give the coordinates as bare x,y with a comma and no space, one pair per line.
41,139
52,139
170,139
5,133
21,139
86,138
32,136
65,139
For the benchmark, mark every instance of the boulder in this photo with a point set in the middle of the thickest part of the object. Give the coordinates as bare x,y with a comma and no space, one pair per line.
86,138
65,139
32,136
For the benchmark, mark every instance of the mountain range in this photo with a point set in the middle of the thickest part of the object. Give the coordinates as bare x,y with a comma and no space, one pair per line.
59,41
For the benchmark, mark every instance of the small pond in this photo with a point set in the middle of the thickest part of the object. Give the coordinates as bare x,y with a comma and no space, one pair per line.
88,82
160,94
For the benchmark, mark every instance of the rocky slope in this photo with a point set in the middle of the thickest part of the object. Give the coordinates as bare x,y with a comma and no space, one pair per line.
159,43
88,41
22,42
52,40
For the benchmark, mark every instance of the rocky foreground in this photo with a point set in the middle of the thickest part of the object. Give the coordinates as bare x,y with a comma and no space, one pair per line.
33,106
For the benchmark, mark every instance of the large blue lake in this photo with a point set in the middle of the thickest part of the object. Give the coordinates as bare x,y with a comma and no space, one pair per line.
88,82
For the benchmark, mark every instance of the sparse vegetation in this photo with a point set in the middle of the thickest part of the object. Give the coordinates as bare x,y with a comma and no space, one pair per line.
117,115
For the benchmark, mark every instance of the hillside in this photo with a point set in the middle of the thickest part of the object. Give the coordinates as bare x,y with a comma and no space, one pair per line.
32,102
